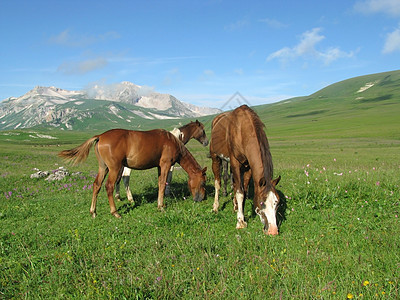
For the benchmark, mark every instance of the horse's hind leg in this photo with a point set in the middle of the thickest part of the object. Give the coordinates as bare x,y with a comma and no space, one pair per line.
117,190
225,176
117,193
110,183
103,170
162,179
216,168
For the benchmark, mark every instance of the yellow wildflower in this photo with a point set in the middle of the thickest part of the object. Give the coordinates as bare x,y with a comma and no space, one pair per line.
350,296
365,283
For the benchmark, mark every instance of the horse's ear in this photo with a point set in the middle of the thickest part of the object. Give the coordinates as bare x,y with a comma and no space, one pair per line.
204,170
262,182
276,181
197,122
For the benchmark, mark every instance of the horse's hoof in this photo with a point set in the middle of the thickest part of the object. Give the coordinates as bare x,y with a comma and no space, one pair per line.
241,224
93,214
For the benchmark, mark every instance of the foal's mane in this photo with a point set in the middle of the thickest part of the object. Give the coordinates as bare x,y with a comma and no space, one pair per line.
185,153
188,125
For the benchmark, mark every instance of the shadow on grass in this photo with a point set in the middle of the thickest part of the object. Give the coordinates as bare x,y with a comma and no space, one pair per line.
179,191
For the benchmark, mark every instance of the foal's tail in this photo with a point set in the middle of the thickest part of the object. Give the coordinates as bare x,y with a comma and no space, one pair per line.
80,153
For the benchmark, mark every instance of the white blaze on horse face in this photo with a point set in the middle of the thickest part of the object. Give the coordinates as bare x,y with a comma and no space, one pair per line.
269,208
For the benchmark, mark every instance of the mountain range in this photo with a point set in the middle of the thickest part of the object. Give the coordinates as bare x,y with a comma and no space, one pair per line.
120,104
367,105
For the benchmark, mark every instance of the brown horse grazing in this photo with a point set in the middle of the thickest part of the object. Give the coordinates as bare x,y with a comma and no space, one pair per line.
239,138
138,150
193,130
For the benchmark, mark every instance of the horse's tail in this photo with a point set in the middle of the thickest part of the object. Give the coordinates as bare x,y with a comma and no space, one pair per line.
80,153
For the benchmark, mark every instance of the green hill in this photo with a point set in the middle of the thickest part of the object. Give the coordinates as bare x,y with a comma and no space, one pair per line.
365,106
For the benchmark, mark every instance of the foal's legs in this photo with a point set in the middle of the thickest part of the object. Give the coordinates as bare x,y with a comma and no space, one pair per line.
169,179
216,168
103,170
125,178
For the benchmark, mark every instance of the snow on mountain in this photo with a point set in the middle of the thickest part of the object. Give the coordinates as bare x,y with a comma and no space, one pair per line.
58,107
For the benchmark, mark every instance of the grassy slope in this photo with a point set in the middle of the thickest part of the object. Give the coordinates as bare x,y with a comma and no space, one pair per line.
339,111
338,239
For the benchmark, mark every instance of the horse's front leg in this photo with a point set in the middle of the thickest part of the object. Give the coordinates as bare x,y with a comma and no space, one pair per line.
162,179
239,194
246,181
216,168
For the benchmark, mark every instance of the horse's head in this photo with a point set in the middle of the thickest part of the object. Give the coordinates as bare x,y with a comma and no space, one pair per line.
199,134
268,206
197,184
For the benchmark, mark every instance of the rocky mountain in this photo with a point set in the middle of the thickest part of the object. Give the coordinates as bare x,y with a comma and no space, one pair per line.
120,103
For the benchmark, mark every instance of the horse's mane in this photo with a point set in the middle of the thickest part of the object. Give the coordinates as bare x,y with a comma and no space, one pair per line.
262,140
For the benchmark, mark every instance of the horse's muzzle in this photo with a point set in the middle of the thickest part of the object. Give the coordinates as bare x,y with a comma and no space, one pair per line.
271,230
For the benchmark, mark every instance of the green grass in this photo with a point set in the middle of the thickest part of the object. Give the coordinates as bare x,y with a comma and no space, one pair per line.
339,233
339,215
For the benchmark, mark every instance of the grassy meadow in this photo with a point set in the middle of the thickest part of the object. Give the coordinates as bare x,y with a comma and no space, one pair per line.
339,228
339,224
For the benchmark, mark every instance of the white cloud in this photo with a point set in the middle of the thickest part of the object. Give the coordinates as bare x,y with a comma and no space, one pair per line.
236,25
390,7
208,73
82,67
66,38
274,23
172,76
238,71
307,48
392,42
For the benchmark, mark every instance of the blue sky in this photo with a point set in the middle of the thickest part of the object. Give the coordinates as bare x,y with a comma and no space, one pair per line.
202,52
